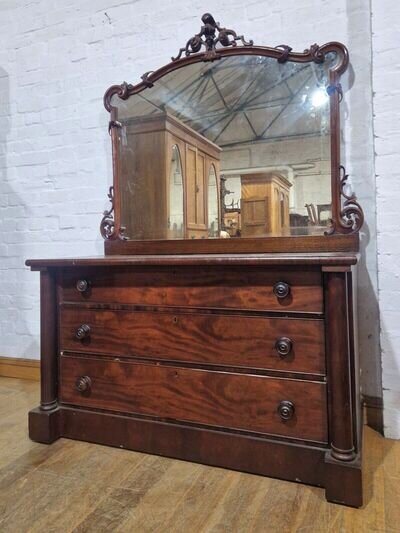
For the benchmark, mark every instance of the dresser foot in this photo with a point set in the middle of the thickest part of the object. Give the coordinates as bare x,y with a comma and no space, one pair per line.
44,426
343,481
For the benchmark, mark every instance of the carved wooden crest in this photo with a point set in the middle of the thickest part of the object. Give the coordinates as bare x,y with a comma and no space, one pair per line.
210,35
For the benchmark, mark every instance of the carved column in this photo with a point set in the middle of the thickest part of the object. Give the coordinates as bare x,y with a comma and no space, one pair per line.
338,342
48,341
44,421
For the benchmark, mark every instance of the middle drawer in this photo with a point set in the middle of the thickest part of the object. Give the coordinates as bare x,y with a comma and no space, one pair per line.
285,344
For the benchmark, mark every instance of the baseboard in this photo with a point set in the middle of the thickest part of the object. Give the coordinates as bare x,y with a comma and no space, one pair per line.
374,412
14,367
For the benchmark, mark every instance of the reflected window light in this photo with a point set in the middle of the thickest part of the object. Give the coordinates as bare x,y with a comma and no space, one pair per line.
319,97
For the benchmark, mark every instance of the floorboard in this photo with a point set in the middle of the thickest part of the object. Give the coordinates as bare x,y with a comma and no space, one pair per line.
79,487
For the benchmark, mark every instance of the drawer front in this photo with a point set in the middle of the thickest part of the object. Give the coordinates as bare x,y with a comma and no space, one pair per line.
295,345
216,287
236,401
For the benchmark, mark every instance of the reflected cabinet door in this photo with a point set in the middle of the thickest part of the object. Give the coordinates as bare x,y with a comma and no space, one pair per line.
255,217
191,178
200,190
195,178
176,222
212,202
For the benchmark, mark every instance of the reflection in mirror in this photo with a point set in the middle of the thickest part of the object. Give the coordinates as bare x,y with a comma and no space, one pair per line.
261,126
212,203
175,219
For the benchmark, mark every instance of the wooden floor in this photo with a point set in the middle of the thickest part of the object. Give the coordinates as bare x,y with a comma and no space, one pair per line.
80,487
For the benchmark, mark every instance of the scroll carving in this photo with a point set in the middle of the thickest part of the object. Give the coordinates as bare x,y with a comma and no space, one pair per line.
208,38
285,52
107,226
145,79
316,52
350,217
123,91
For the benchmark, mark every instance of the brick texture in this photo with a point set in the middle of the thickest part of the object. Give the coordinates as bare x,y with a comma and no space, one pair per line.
57,59
386,87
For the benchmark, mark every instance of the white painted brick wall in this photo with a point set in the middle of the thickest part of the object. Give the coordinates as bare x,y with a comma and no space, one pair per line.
57,59
386,86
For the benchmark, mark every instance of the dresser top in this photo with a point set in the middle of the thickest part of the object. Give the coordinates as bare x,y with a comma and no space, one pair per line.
275,259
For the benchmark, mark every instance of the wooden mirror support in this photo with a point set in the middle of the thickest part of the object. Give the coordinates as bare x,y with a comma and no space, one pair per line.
239,353
211,44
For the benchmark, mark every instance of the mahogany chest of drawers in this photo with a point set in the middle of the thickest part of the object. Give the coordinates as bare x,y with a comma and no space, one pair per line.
245,362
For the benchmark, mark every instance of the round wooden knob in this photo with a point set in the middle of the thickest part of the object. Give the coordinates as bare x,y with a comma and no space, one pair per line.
82,332
83,384
281,289
82,285
286,410
283,346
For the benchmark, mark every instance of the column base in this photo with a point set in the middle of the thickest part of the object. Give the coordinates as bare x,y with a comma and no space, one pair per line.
44,426
343,481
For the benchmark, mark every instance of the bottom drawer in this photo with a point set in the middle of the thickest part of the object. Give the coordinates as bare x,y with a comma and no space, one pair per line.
237,401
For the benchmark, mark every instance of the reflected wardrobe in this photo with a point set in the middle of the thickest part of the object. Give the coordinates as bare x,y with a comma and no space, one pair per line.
171,188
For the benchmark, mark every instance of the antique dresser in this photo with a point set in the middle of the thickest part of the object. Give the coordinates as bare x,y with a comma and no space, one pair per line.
220,326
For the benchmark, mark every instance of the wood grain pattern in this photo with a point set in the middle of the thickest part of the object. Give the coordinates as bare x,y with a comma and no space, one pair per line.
212,287
309,243
224,415
145,179
202,338
81,487
342,406
235,401
292,259
144,185
216,448
48,340
164,121
262,210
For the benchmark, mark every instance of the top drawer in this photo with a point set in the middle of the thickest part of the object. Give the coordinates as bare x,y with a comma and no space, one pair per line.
256,289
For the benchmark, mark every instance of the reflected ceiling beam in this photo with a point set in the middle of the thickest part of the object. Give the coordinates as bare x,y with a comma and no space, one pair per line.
250,124
250,98
160,108
202,84
260,105
204,88
280,82
205,77
253,82
288,88
233,109
294,94
175,95
271,139
219,93
233,115
207,88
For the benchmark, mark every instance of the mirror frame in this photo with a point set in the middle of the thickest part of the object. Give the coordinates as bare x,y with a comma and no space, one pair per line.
347,215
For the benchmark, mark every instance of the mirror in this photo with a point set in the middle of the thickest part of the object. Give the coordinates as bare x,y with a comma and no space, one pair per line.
251,151
176,208
212,204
